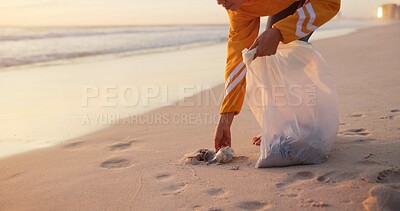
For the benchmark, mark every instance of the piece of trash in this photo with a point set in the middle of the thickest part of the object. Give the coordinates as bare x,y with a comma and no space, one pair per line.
234,168
208,156
224,155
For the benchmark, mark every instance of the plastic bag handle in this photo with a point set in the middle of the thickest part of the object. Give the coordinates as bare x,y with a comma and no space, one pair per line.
248,56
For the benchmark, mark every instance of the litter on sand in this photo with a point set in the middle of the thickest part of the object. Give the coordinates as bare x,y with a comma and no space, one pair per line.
208,156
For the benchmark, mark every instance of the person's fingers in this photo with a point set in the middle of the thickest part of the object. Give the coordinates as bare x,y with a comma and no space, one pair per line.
217,138
228,137
260,51
255,44
218,135
271,53
217,145
255,140
228,142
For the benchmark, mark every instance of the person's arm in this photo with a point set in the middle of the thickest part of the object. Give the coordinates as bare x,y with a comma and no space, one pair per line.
243,31
307,18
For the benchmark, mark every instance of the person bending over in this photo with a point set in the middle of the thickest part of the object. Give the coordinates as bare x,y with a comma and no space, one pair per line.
289,20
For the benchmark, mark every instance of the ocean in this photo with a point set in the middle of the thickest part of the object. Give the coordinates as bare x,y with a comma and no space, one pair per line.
37,45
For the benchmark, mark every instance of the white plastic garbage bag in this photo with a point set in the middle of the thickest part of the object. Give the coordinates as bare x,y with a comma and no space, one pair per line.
293,96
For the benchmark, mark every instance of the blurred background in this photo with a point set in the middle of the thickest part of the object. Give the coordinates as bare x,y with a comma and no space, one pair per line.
37,31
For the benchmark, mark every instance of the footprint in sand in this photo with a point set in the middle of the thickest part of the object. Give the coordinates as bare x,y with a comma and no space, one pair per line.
356,132
356,115
251,205
302,175
163,177
389,176
13,176
116,163
121,146
337,176
325,177
174,188
395,114
368,160
214,209
389,117
238,159
290,195
73,145
382,198
364,140
215,192
171,188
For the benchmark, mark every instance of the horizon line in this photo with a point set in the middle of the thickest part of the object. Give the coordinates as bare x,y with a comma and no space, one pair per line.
155,25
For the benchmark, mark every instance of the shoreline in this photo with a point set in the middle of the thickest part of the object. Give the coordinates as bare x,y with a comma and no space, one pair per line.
111,56
324,33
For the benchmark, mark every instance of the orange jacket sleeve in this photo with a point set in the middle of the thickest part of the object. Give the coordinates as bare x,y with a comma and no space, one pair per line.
308,18
242,33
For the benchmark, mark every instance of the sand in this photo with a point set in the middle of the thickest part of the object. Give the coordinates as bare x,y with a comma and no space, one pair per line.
135,165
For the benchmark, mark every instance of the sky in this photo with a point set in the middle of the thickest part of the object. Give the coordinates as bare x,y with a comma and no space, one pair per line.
137,12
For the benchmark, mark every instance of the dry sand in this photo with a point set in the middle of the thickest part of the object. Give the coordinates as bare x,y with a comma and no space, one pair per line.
136,166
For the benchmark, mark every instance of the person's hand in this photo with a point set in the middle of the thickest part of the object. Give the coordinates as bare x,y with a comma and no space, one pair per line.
267,43
222,135
230,4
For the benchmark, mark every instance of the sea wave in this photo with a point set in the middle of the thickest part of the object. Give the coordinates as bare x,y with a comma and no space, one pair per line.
22,46
32,45
86,32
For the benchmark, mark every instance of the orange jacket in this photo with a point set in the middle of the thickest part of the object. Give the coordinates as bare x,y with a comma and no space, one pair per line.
244,27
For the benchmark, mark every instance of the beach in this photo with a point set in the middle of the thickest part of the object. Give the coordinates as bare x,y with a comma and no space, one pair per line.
133,163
